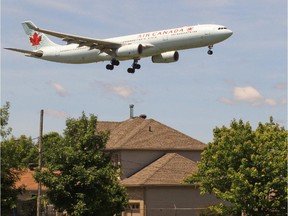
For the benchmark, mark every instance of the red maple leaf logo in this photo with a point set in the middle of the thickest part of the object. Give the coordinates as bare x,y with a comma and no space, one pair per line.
35,39
189,29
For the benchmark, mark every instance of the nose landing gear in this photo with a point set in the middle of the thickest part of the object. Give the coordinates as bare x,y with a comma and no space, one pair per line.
210,52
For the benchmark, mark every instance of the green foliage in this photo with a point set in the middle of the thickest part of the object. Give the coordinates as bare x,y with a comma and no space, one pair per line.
16,154
4,117
85,182
246,168
53,146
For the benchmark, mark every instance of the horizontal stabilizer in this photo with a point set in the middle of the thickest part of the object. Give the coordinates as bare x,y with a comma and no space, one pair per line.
27,52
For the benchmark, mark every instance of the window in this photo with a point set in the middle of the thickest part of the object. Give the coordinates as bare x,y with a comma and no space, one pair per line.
116,160
133,207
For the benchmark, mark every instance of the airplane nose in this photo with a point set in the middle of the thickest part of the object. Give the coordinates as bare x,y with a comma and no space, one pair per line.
229,33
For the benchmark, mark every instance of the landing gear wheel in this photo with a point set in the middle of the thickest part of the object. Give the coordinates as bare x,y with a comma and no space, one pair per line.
109,67
131,70
113,63
137,66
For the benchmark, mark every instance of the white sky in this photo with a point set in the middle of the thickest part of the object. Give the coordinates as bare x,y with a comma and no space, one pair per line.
246,77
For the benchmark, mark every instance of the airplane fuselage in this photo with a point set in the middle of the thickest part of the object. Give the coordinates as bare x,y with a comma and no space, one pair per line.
162,46
154,43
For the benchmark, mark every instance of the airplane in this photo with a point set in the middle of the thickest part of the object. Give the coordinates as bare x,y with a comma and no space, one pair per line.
162,46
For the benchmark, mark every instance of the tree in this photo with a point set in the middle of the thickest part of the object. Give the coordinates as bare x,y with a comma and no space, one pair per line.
246,168
4,112
85,182
53,145
16,154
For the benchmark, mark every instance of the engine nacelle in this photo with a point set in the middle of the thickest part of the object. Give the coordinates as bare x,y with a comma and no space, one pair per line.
130,50
166,57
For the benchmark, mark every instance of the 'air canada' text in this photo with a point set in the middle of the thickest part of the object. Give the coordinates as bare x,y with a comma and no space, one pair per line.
164,32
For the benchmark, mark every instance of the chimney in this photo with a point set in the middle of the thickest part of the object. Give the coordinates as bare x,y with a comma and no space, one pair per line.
131,106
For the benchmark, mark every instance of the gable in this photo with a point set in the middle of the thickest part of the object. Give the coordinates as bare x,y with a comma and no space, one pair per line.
171,169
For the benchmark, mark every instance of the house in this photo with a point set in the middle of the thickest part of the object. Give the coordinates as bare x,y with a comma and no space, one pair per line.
137,142
154,160
27,202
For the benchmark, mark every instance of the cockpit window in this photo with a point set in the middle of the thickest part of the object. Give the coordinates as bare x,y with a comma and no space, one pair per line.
221,28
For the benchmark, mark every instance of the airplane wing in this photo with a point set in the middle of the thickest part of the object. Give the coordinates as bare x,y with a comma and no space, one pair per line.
27,52
93,43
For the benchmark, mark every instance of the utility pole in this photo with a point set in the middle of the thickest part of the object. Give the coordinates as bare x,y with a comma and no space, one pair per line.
40,162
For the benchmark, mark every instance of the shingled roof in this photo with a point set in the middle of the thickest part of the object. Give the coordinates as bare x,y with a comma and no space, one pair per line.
26,179
171,169
146,134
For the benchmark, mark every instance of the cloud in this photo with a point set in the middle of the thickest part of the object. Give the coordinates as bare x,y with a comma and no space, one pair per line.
247,93
281,86
283,101
250,95
270,102
56,113
60,90
226,101
121,90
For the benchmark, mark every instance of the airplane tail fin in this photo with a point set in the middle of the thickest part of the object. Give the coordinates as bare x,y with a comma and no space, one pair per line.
37,40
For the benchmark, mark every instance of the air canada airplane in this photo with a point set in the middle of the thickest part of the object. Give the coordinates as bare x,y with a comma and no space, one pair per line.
161,45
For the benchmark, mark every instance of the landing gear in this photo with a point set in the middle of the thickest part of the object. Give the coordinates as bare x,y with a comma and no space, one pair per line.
113,62
134,66
109,67
210,52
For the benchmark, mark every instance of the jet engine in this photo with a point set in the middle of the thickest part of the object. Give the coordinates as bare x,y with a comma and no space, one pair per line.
130,50
166,57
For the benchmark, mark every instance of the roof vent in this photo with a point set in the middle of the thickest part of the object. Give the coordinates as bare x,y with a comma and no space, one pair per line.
131,106
143,116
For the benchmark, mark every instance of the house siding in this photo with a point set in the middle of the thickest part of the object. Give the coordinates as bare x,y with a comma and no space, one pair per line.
170,200
133,161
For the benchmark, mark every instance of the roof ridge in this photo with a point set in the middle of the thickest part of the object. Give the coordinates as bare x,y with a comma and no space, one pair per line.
109,121
179,132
